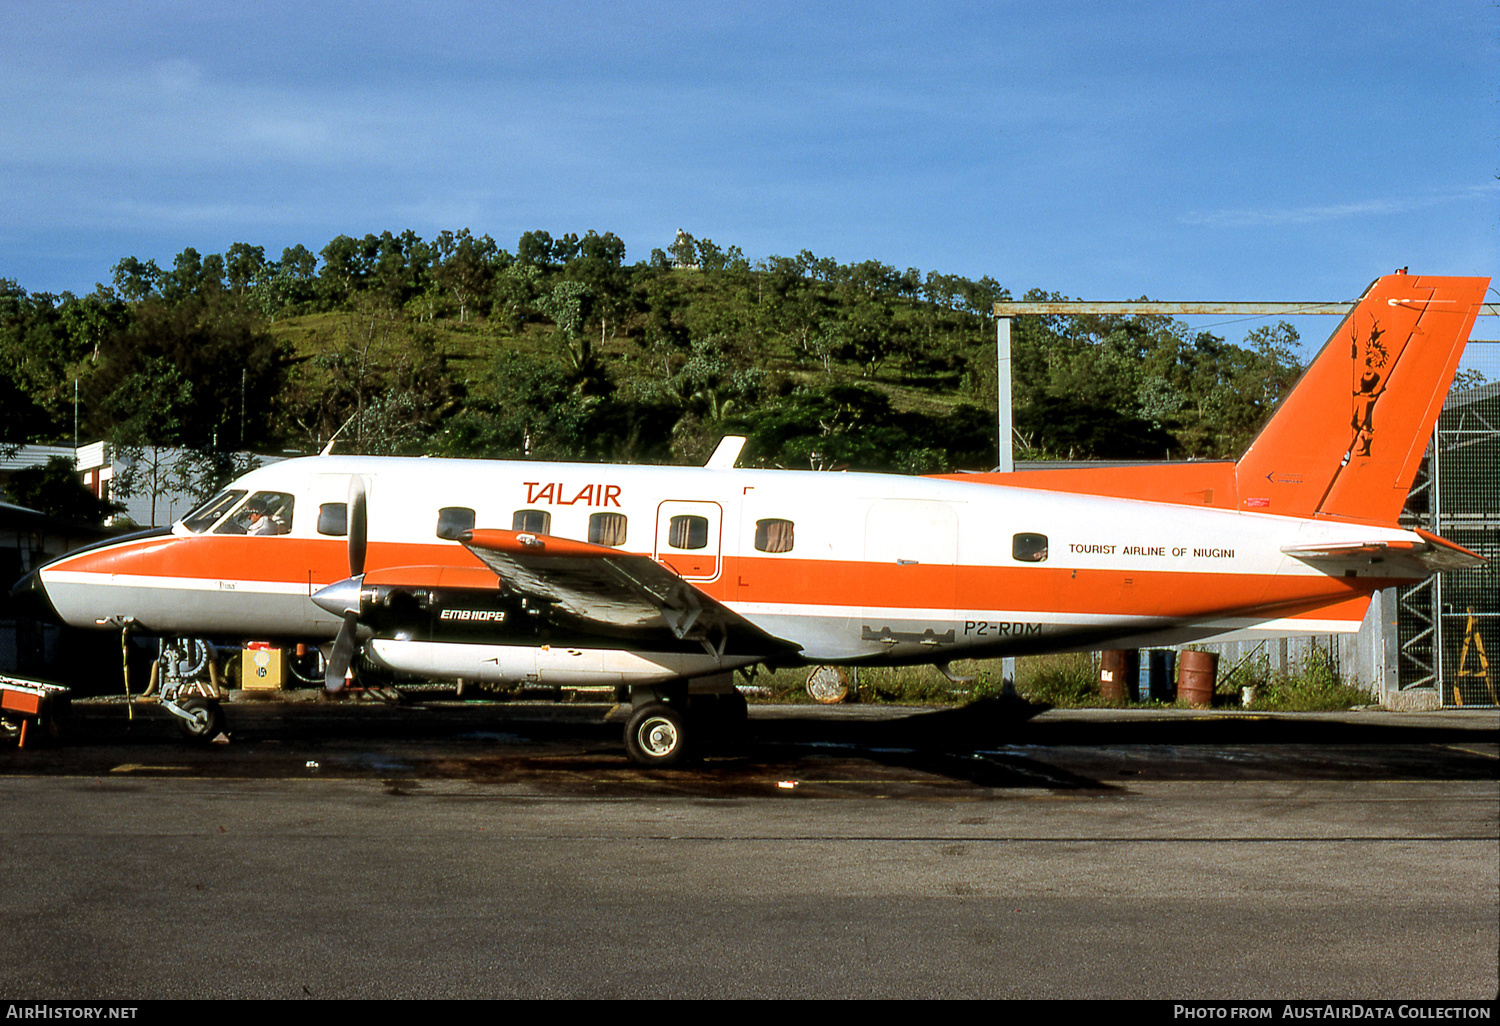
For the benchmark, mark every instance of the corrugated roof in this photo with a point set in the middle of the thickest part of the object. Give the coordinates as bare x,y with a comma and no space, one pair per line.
32,456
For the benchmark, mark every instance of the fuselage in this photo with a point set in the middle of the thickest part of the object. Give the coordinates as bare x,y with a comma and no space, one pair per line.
845,567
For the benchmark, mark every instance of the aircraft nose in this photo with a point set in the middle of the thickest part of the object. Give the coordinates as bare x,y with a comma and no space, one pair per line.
340,598
30,599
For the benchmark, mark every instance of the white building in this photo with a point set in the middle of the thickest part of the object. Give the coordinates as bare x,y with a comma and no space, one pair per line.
156,486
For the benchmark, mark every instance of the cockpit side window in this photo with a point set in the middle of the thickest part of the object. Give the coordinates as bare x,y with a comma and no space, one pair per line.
212,511
453,521
265,513
333,519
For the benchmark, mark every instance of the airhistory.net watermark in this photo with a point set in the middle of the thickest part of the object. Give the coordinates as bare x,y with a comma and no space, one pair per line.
38,1010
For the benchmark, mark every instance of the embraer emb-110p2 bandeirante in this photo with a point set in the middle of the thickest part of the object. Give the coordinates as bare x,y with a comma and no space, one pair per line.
649,578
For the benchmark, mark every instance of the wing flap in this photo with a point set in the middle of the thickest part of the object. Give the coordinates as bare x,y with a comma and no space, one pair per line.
619,593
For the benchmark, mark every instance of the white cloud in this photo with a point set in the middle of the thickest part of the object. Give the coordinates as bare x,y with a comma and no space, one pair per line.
1273,216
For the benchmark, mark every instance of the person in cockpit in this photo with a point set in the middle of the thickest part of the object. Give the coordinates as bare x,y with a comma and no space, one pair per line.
260,523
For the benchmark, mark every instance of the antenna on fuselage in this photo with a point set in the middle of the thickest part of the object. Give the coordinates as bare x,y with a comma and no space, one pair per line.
727,455
328,449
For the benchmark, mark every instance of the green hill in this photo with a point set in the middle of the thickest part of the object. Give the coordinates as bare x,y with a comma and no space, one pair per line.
455,346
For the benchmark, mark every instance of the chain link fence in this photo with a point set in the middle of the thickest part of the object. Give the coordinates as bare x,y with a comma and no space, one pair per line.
1448,627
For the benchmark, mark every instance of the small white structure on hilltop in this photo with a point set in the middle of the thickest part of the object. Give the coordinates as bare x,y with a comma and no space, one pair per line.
684,252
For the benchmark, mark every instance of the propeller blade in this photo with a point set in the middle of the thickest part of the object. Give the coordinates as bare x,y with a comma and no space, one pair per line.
342,655
358,525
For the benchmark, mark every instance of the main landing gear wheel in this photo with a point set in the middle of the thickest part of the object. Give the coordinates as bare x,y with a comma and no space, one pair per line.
656,735
205,721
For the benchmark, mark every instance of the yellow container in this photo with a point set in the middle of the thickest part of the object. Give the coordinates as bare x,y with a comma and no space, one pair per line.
262,669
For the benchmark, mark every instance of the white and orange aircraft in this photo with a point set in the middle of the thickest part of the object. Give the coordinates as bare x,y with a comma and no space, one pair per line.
648,578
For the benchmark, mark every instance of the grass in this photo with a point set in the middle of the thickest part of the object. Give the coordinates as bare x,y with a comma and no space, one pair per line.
1069,681
1058,680
1316,686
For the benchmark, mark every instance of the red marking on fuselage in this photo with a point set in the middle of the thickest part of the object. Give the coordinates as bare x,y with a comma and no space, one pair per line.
553,494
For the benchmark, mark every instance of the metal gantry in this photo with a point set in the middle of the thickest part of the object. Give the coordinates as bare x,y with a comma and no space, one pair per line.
1449,625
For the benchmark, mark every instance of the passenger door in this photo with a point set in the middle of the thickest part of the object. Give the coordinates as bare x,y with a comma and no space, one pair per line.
689,538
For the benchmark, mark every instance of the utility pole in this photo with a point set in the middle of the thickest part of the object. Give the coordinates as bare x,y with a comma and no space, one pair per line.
1007,461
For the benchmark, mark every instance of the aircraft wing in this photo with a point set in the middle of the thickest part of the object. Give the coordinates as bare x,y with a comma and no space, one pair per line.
615,593
1418,558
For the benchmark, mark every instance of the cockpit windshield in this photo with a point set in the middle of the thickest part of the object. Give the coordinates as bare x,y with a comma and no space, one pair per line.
265,513
211,512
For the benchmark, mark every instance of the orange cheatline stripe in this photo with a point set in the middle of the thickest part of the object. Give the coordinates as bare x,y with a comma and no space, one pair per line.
777,580
1148,593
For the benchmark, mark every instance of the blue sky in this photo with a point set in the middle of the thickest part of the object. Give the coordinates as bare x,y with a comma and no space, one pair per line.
1103,150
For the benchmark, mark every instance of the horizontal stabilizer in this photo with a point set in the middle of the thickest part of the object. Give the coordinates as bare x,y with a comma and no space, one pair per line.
1395,557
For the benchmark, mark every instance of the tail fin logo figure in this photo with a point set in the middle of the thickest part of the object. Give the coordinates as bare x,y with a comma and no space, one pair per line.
1370,387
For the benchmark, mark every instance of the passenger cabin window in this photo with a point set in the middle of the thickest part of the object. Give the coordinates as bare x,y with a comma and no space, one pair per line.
453,521
607,529
773,535
688,533
1029,548
532,521
333,519
212,511
264,514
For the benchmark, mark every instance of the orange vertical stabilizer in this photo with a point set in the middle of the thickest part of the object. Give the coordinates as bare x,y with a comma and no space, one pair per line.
1347,440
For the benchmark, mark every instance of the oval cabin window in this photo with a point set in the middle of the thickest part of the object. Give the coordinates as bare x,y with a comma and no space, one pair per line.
607,529
532,521
688,532
774,535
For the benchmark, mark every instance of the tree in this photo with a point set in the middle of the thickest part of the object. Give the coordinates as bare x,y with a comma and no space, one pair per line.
214,342
608,248
853,425
90,320
343,268
21,420
244,266
149,413
54,489
517,291
568,306
136,280
1069,428
535,249
466,269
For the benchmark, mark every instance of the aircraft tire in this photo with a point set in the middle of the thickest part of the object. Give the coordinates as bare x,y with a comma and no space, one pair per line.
656,735
207,721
